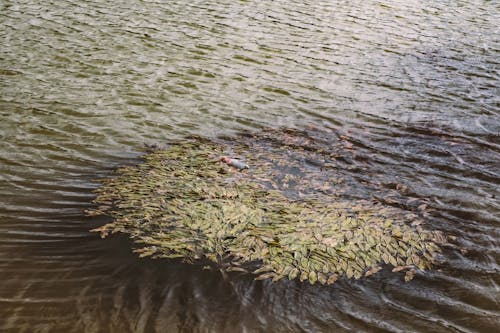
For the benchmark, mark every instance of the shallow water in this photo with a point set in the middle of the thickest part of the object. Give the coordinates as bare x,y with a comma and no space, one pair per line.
413,86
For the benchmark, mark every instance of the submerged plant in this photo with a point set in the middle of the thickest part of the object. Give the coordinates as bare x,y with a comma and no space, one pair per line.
281,218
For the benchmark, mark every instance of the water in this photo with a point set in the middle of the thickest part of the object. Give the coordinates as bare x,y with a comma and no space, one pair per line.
414,85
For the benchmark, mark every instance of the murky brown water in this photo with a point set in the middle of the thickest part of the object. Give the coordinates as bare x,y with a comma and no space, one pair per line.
84,84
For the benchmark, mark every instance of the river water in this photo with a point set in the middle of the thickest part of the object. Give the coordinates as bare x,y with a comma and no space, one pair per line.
84,85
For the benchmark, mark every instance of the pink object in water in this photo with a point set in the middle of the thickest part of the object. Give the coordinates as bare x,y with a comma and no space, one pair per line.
234,162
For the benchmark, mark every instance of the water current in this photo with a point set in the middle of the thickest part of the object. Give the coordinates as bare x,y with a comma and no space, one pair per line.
413,85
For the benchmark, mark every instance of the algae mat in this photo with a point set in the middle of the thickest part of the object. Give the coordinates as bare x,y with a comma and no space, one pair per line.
292,214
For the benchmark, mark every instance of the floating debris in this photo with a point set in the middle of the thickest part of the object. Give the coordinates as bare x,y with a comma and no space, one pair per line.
234,163
286,217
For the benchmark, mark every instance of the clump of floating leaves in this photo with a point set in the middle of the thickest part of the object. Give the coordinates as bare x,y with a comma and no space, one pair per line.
288,216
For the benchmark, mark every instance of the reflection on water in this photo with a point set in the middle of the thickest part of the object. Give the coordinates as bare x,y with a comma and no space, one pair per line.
83,84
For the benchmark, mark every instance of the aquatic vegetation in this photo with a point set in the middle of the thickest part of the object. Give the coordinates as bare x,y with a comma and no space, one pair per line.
281,218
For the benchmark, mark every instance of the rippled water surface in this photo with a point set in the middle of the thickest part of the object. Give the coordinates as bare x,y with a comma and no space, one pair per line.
414,85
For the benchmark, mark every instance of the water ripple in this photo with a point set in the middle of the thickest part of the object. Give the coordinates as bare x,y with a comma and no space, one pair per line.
410,86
